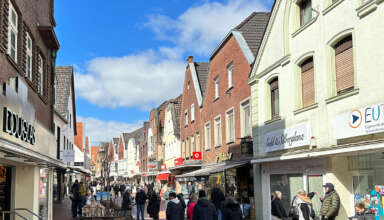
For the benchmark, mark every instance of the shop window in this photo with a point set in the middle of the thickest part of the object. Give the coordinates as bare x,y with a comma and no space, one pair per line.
305,11
13,20
207,136
344,65
44,192
29,57
217,131
307,82
246,119
230,75
274,89
230,126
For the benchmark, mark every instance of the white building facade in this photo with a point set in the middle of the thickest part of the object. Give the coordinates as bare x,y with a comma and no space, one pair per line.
318,103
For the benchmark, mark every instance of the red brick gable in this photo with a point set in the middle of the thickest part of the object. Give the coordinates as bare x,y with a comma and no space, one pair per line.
79,136
111,152
121,148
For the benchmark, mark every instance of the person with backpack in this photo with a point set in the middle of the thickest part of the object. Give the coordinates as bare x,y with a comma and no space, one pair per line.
302,205
174,209
75,198
277,210
330,203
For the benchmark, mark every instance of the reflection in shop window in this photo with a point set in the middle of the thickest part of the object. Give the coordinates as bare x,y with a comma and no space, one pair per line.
43,192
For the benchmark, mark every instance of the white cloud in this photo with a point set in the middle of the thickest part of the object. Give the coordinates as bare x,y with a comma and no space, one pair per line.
146,79
99,130
199,29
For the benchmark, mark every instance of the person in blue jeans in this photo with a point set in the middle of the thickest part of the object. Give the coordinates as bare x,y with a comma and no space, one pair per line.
140,199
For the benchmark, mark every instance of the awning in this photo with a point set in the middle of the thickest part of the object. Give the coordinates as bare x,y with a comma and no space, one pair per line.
162,176
206,171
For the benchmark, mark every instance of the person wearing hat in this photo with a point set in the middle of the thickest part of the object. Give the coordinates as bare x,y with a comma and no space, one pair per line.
330,203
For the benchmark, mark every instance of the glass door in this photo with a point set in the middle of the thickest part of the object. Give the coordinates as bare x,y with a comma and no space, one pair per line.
288,185
5,189
315,184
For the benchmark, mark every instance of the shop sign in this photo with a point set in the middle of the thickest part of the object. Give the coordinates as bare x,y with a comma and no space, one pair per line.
68,155
153,165
18,127
295,136
78,164
197,156
179,161
223,157
358,122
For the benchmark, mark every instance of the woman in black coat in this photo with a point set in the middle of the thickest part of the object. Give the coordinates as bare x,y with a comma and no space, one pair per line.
127,201
153,207
277,209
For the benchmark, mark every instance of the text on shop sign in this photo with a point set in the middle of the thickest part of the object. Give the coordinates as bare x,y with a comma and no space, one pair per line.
16,126
223,157
295,136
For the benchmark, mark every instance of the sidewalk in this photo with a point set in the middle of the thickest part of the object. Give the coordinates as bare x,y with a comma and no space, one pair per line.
62,211
146,216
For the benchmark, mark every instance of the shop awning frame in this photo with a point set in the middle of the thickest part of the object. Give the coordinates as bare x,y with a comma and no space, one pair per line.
216,168
370,146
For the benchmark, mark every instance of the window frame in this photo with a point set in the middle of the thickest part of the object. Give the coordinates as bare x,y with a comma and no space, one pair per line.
273,89
245,104
302,8
218,131
186,117
228,129
192,112
198,142
307,64
40,71
207,136
12,28
230,75
338,45
217,87
29,54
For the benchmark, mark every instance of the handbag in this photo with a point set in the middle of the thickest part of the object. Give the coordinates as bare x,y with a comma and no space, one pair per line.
293,211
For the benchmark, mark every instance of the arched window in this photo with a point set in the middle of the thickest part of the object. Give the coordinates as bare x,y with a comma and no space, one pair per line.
307,82
344,67
274,89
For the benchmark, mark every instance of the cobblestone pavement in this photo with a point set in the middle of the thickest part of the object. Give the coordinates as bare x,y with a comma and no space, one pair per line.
161,214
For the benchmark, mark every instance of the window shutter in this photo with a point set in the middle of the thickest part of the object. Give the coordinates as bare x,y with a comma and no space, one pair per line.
4,5
308,83
344,65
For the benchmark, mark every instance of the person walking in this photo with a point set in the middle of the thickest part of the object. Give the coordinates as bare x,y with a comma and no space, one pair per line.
153,207
180,197
277,210
218,199
83,197
122,188
204,210
231,210
116,189
75,198
191,206
302,205
174,209
330,203
140,199
127,201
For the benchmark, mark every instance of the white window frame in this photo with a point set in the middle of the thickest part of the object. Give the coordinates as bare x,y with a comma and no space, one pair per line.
207,135
186,117
40,69
243,105
198,142
29,55
228,138
217,131
193,148
12,29
217,87
192,112
230,75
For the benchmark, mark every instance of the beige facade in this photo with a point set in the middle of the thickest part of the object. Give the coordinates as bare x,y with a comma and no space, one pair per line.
289,42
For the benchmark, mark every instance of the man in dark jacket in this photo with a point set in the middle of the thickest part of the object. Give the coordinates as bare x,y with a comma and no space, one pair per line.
140,199
174,208
204,210
153,207
75,197
122,188
232,210
330,203
180,197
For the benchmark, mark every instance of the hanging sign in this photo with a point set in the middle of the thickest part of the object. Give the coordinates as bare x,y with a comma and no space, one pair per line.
358,122
197,156
18,127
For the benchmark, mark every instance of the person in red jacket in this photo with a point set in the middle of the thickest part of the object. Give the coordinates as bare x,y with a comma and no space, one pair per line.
191,206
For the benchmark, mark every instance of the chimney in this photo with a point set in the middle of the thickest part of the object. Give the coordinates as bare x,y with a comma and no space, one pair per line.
190,59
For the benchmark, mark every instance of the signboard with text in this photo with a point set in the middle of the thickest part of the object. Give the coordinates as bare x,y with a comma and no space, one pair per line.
153,165
358,122
179,161
291,137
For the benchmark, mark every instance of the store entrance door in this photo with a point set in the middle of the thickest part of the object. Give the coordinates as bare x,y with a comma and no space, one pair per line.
5,188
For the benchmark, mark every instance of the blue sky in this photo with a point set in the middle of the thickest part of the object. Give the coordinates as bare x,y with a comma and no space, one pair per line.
129,56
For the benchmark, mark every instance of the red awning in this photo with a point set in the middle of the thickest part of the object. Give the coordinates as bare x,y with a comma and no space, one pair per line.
162,176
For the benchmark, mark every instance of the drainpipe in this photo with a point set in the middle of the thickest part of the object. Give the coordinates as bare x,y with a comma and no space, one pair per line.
53,75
